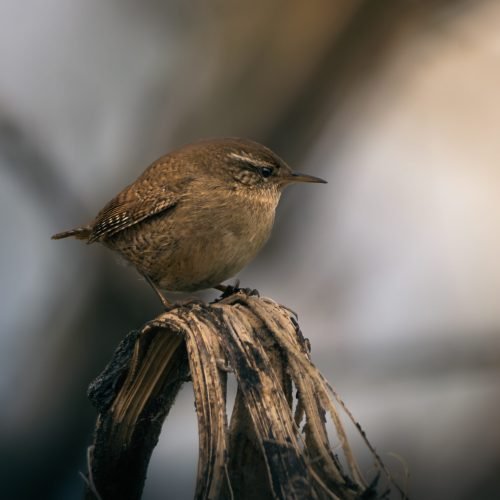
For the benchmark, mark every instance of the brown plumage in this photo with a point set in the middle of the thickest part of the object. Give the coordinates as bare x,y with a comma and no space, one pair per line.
196,216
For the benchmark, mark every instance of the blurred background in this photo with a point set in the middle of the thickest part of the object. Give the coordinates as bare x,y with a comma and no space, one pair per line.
393,267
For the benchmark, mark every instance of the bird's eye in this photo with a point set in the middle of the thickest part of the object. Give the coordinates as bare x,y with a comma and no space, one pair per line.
266,171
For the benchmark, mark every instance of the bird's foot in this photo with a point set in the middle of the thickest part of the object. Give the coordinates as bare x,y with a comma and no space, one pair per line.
191,301
228,290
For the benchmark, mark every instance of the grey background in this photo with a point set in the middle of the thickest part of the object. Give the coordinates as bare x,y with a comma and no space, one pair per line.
392,266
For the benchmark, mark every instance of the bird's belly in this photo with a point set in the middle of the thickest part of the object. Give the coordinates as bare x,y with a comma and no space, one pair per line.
207,263
196,255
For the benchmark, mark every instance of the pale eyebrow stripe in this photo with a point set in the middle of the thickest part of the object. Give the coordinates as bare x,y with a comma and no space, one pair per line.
251,160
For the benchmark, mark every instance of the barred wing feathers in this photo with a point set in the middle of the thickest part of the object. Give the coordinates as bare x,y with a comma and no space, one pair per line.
127,209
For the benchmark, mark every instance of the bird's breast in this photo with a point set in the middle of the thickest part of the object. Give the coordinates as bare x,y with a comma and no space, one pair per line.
203,241
217,241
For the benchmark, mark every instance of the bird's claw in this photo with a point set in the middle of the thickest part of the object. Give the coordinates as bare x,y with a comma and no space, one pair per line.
229,290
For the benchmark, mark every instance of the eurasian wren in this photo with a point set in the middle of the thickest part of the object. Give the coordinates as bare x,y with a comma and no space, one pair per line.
196,216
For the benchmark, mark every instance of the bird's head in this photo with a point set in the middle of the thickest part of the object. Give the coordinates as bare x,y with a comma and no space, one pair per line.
247,163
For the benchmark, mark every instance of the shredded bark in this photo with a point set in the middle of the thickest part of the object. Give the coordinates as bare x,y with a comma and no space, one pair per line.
261,452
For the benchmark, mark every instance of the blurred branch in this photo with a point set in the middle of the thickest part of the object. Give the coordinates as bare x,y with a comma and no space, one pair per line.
260,341
36,172
356,50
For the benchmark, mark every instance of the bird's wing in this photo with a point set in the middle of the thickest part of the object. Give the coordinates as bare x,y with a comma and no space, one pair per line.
129,208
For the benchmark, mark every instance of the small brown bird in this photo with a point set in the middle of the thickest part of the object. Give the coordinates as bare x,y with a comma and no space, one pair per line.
196,216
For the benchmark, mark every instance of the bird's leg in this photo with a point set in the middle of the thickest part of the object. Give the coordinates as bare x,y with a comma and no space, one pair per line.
166,303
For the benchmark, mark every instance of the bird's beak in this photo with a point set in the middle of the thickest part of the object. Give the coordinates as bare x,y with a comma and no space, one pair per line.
296,177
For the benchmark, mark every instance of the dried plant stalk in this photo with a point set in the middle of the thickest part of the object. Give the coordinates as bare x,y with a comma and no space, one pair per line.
261,452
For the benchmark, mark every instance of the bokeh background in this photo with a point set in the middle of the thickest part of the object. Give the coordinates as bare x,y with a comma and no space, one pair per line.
393,266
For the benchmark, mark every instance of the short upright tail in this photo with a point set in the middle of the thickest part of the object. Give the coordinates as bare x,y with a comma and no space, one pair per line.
80,233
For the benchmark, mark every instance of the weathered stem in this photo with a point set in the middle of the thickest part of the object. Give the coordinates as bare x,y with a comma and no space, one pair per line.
262,453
